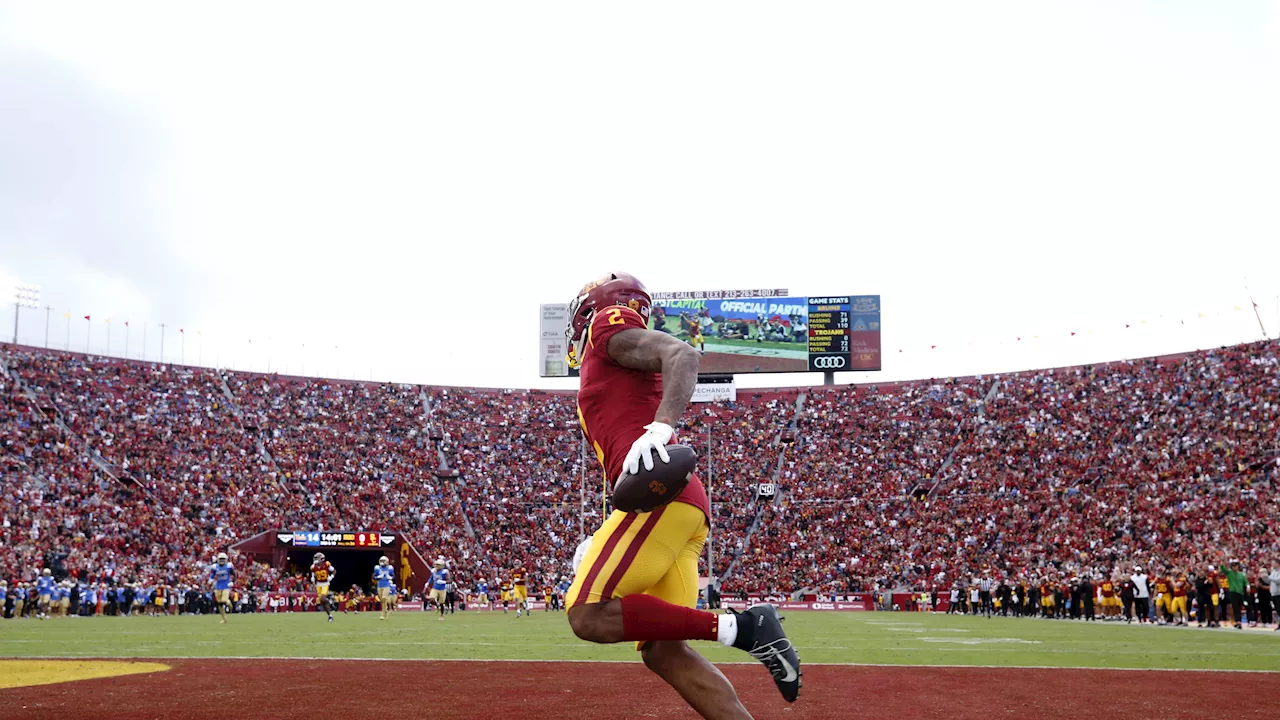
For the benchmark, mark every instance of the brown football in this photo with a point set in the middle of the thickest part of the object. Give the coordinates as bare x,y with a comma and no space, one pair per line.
651,489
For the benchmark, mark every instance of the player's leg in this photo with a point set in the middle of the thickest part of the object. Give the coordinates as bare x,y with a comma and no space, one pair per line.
638,582
700,683
626,558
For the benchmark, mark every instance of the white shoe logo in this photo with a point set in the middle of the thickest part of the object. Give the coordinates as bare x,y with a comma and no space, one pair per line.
774,651
789,673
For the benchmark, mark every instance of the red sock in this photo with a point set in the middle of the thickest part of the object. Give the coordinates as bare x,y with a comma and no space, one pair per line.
645,617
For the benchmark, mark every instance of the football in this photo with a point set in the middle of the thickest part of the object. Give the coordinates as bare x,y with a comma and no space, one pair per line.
650,489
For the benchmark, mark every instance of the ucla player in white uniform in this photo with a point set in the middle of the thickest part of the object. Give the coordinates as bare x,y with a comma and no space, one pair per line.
382,574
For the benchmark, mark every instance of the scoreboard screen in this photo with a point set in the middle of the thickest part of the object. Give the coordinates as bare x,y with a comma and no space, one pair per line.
334,539
829,333
750,331
844,333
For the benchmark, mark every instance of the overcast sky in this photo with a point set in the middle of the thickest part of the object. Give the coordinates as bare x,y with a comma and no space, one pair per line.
391,192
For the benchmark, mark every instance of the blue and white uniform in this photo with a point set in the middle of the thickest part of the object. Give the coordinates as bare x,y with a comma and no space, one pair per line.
222,575
439,585
383,574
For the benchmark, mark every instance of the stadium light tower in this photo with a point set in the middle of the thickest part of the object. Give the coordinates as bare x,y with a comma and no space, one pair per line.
25,296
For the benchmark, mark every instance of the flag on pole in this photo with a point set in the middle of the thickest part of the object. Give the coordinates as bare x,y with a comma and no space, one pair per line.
184,332
86,317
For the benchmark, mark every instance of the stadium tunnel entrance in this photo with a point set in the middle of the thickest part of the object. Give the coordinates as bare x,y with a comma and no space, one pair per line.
351,567
353,555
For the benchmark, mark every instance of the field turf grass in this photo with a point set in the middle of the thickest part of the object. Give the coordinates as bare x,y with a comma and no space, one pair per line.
822,637
863,665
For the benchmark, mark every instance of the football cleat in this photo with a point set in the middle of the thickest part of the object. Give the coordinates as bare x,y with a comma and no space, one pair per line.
760,633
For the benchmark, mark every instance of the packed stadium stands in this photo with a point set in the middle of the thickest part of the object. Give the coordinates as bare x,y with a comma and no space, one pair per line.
138,471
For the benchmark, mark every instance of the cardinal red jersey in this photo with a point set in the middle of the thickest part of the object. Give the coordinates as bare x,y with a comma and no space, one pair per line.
1108,589
615,402
322,571
517,578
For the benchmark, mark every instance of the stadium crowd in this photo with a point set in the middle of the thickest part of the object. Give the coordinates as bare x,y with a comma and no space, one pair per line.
127,472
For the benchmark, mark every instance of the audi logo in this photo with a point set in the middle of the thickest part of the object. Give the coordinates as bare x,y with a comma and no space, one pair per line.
829,362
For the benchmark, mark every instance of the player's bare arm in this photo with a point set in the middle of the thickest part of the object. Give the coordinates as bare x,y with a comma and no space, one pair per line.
661,353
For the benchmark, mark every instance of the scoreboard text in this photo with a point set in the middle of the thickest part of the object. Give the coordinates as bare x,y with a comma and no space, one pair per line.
844,333
335,539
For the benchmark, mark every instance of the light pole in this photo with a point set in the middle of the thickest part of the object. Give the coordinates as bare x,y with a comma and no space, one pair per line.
25,296
711,574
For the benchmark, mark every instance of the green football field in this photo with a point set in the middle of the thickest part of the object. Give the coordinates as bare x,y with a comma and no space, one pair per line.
822,637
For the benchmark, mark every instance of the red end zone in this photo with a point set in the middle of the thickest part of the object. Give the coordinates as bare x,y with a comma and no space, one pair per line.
589,691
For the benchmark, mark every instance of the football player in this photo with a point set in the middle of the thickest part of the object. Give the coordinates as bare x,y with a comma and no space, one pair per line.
4,596
221,575
44,593
438,585
382,577
695,335
322,573
505,588
1178,602
482,596
561,590
64,599
1164,600
19,599
520,590
638,576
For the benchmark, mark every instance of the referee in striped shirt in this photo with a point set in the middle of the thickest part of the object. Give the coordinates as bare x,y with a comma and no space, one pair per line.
984,594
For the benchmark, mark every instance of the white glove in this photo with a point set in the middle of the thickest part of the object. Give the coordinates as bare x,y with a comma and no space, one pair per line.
581,552
657,434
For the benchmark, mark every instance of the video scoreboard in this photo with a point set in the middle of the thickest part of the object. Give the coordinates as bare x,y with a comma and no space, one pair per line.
749,331
334,539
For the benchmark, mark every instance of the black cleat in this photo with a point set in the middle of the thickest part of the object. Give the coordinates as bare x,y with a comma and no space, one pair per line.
760,634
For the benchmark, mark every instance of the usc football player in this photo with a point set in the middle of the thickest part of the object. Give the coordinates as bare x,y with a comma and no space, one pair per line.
637,576
321,575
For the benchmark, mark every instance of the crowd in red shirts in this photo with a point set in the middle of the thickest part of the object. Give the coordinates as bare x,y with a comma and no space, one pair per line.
1047,473
150,470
